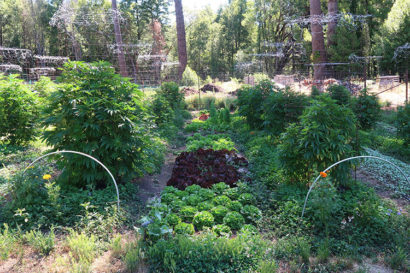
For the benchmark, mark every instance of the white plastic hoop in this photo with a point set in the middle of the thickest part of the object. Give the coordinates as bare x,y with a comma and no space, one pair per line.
348,159
86,155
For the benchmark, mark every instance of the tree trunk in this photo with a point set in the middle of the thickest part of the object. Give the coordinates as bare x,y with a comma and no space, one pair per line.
118,40
318,44
331,27
182,54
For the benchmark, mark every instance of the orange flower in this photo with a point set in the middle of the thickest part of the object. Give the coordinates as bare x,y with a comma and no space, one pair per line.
252,133
323,174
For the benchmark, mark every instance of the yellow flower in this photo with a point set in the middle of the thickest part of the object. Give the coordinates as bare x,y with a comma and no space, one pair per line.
47,177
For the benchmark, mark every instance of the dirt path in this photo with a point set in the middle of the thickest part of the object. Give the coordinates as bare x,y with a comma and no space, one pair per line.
151,185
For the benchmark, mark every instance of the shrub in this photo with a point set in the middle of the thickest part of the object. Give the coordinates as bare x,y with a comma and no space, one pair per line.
259,77
161,110
367,109
44,87
219,212
324,136
172,219
170,91
234,220
184,228
281,108
100,113
189,77
222,230
340,94
203,219
314,92
251,213
187,213
18,111
403,123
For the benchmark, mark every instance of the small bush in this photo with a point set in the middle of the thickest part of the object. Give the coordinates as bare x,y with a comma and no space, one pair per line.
44,87
234,220
170,91
235,206
314,92
83,248
184,228
18,111
367,109
100,113
189,77
340,94
161,110
203,219
172,219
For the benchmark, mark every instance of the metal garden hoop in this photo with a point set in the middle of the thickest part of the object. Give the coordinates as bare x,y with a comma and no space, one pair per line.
86,155
344,160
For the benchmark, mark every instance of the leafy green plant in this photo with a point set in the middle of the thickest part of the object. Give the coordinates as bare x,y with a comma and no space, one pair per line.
189,77
222,200
282,108
219,213
193,200
42,243
235,206
100,113
220,188
170,91
397,259
187,213
18,111
247,198
324,136
204,206
184,228
314,92
134,256
83,249
234,220
8,242
251,213
44,87
222,230
203,219
249,229
161,110
214,142
367,109
172,219
340,94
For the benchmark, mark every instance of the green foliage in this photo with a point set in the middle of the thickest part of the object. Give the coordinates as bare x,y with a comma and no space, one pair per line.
367,109
100,113
133,257
219,212
18,111
403,123
204,206
397,259
247,198
83,249
193,200
251,213
206,253
193,189
340,94
281,108
8,242
187,213
234,220
203,219
189,77
42,243
214,142
315,92
235,206
207,194
259,77
325,135
172,219
44,87
222,230
249,229
220,188
170,91
161,109
184,229
222,200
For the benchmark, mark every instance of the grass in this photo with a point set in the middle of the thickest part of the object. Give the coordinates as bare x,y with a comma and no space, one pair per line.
220,100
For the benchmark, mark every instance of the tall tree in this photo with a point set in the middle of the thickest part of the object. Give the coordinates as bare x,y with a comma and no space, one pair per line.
118,40
332,10
182,54
318,43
